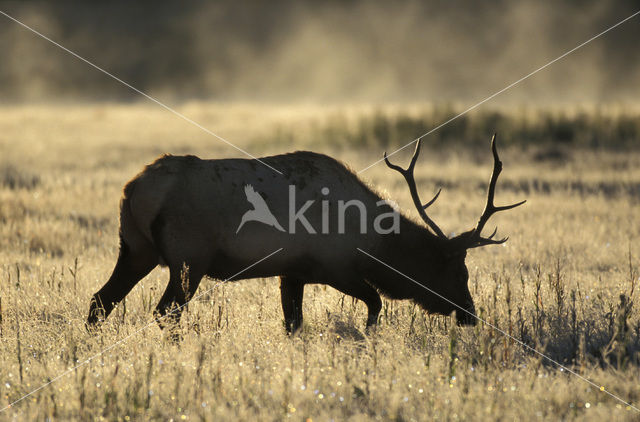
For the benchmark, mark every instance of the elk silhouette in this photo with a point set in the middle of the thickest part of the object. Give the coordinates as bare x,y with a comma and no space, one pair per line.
181,211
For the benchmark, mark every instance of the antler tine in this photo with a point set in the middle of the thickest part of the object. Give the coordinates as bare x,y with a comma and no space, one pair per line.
414,158
485,241
408,176
490,208
428,204
393,166
482,241
412,165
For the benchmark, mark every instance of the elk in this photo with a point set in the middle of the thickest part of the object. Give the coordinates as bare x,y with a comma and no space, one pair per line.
182,212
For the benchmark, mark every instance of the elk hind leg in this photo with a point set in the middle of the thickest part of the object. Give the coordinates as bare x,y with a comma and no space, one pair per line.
183,282
134,262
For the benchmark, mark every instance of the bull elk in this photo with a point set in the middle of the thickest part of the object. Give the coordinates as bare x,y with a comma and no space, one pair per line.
187,214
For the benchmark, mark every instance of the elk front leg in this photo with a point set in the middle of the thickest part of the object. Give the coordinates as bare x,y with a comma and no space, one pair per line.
291,292
362,290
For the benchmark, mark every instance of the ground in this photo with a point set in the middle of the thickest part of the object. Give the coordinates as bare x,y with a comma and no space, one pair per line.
564,284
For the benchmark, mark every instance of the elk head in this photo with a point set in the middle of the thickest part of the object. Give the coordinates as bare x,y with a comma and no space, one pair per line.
452,274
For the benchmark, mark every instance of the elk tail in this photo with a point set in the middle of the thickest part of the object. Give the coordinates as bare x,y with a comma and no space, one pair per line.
132,236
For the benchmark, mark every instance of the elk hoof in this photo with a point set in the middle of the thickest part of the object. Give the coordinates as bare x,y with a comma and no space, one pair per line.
372,324
292,327
95,319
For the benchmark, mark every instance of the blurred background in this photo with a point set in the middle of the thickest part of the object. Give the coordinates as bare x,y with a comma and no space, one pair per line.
312,52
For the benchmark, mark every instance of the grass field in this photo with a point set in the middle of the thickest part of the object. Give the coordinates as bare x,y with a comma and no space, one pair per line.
563,283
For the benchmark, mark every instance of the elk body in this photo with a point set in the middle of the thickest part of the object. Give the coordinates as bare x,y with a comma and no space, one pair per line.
187,214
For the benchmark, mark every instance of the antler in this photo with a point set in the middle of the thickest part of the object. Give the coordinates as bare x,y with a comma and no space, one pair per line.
408,175
475,235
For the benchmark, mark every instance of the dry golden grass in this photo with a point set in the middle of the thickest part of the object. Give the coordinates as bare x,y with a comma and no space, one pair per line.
556,285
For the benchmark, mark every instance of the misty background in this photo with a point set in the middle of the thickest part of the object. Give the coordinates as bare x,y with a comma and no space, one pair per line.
337,51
